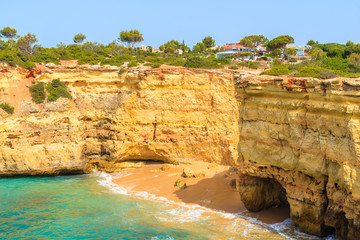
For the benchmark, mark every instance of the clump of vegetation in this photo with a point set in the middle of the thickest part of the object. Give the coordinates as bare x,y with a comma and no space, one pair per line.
300,70
233,67
122,70
249,64
176,62
199,62
277,70
153,65
38,92
132,64
7,108
102,122
57,89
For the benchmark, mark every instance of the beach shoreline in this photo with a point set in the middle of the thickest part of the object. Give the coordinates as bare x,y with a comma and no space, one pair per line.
211,186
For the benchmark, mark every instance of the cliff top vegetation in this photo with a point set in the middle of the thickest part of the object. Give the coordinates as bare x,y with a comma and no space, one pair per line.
324,60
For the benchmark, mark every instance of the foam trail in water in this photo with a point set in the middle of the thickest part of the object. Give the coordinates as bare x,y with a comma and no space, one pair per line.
190,213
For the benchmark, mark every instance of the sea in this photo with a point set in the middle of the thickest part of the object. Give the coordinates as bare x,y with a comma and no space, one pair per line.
91,206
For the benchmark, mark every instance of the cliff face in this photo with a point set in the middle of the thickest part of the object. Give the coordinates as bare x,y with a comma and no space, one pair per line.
295,141
172,115
299,138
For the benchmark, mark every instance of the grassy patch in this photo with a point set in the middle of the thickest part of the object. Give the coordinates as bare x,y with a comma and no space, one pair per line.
277,70
7,108
38,92
57,89
153,65
249,64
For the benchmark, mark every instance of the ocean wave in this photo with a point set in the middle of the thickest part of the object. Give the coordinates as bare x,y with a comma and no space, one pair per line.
190,213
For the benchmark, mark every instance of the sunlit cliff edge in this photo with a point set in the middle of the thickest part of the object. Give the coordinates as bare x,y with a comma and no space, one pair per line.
295,141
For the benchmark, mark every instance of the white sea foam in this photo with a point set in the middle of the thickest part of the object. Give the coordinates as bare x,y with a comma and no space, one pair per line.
190,213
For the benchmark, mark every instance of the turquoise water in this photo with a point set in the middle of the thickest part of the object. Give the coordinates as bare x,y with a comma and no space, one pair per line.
88,207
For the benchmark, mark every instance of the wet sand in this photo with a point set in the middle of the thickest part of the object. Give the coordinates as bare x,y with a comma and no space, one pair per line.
212,190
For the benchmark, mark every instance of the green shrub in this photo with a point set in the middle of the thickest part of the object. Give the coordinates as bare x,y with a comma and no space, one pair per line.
27,65
37,92
132,64
7,108
326,75
92,60
153,65
249,64
122,70
57,89
233,67
176,62
102,122
309,71
293,60
277,70
198,62
194,62
117,60
155,59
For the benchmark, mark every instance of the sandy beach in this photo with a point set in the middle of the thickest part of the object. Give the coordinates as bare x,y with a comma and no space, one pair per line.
212,187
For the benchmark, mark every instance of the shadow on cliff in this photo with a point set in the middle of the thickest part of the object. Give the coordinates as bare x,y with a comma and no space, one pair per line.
219,193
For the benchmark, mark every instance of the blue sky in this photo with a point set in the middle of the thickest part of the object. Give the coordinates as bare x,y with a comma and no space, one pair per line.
190,20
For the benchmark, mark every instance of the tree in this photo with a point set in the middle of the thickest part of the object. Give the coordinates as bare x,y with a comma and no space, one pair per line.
253,42
349,43
184,47
317,54
131,37
26,43
208,42
9,33
292,52
312,43
79,38
199,47
354,61
281,43
170,46
275,53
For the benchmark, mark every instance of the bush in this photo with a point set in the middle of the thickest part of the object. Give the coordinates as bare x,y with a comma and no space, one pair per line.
277,70
7,108
57,89
155,59
198,62
102,122
326,75
309,71
38,92
153,65
122,70
233,67
249,64
132,64
27,65
176,62
292,60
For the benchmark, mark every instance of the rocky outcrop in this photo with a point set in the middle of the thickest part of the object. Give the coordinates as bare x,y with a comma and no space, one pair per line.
169,115
296,141
301,137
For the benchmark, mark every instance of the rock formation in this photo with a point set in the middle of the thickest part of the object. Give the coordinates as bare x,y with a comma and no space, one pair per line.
295,141
169,115
300,145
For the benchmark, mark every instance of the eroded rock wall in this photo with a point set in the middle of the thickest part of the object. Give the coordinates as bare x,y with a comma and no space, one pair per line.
172,115
304,135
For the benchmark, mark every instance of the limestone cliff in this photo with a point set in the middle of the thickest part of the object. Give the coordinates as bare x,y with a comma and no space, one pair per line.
296,140
299,138
171,115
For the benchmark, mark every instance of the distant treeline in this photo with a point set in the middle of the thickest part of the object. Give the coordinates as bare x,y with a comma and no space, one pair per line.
327,60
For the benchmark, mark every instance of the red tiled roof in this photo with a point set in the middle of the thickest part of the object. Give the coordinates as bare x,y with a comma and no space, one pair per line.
231,46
